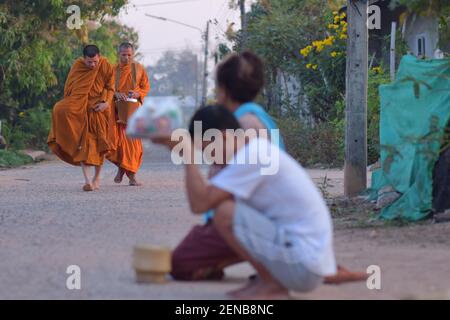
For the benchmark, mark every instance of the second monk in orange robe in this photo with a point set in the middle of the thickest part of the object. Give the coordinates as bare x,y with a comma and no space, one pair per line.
128,152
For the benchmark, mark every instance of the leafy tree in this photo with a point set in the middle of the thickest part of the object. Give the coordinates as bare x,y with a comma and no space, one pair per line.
36,52
277,30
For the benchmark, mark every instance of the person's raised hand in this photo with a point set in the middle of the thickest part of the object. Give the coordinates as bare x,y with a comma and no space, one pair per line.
169,140
163,139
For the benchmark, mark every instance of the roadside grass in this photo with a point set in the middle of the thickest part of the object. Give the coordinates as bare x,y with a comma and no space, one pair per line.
11,159
359,213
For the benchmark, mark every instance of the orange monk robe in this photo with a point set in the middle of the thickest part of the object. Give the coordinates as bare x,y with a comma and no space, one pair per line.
78,133
128,152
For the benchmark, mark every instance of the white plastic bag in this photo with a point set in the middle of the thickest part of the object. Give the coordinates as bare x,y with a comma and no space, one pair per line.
151,120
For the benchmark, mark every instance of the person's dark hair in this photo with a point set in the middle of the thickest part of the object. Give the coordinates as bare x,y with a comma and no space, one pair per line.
242,76
214,117
91,51
125,45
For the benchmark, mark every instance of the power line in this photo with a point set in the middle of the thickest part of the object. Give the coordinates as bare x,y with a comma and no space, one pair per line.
175,21
163,3
154,50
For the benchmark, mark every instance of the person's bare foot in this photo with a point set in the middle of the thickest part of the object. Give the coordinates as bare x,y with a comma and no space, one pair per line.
96,184
119,176
344,275
88,187
133,182
260,290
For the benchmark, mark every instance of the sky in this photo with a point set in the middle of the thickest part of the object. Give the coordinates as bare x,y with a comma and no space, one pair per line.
155,35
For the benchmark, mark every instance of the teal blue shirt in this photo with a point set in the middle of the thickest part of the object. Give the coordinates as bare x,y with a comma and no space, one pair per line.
265,119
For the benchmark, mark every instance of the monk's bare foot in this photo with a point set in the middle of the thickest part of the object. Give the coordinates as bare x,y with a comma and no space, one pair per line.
119,176
262,291
96,184
88,187
344,275
133,181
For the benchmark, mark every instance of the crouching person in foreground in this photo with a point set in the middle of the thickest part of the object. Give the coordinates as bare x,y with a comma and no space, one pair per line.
275,218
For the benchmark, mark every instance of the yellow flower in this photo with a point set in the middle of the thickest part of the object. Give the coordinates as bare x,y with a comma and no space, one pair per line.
343,36
334,54
319,45
329,41
22,114
378,70
309,66
306,51
343,23
335,13
336,20
315,66
331,26
343,15
303,52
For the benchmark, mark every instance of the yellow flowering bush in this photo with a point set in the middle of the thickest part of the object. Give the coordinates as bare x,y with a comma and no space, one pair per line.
324,61
319,52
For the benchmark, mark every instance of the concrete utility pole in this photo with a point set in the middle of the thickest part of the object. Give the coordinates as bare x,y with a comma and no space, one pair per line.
355,171
205,67
392,55
196,80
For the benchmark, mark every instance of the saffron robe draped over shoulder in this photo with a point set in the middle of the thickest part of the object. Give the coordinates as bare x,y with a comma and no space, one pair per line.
127,153
78,133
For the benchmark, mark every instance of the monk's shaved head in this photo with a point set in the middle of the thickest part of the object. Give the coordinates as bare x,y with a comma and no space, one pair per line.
126,53
91,55
126,45
91,51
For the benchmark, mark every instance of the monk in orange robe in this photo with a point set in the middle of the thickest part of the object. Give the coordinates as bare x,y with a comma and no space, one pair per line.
134,84
80,121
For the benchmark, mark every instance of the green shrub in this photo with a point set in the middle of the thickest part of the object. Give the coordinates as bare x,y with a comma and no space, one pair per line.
15,137
311,145
13,159
30,130
324,143
36,126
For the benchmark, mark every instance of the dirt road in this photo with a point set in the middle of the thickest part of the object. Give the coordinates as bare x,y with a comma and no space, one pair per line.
47,223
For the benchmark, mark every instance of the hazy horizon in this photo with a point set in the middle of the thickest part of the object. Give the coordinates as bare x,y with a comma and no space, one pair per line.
156,36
